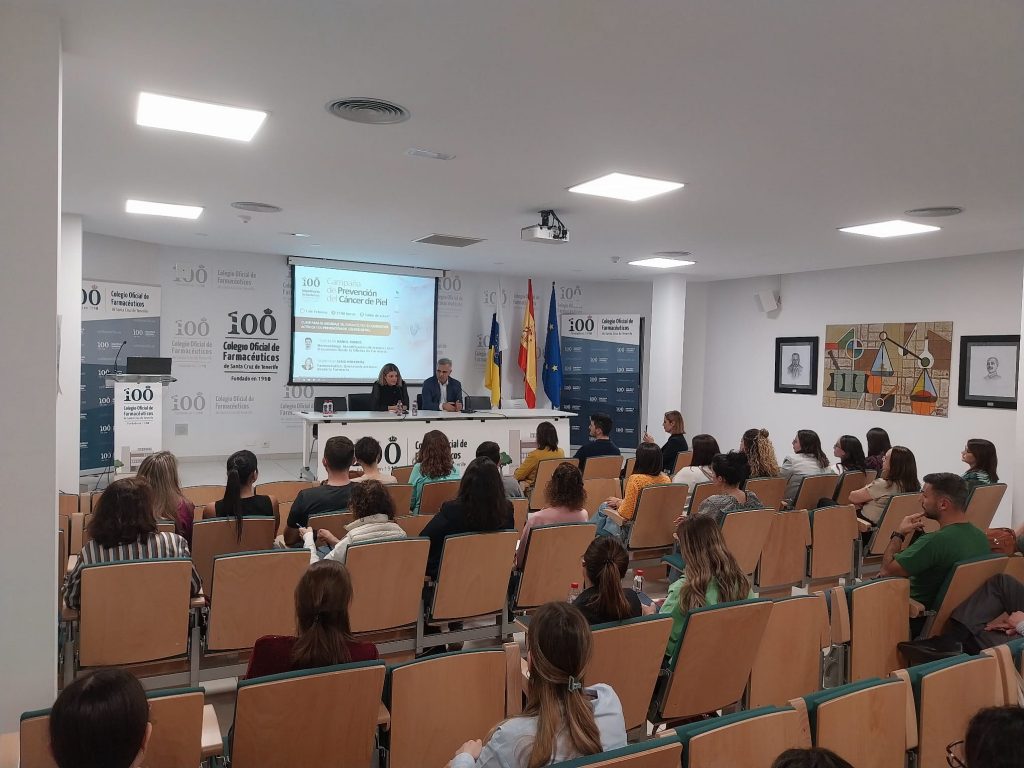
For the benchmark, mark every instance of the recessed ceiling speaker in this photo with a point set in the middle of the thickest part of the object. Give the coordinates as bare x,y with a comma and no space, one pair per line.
368,111
767,300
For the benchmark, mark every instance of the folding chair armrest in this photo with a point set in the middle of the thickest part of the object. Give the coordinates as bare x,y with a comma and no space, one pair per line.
199,601
384,717
614,517
917,609
524,670
212,741
68,614
513,680
864,525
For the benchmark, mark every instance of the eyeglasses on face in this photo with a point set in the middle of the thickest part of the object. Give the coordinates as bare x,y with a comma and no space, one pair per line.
955,755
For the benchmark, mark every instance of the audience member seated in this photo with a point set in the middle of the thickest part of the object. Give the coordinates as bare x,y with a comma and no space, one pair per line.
481,506
898,475
980,457
434,462
123,528
730,471
930,558
389,392
491,450
992,616
160,469
760,453
374,514
815,757
101,719
562,719
646,471
240,497
807,459
711,574
331,496
704,449
994,739
878,444
850,455
368,455
547,448
322,599
601,442
605,563
676,443
566,499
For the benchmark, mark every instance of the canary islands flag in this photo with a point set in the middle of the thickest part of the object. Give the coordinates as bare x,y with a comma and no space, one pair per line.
495,344
552,375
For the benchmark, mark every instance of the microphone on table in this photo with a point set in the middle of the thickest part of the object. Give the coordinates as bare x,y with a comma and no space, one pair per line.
119,354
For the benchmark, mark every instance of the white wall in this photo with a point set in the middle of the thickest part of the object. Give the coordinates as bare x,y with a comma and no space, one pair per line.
979,294
69,398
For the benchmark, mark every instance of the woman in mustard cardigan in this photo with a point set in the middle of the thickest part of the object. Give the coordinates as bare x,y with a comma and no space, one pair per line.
547,448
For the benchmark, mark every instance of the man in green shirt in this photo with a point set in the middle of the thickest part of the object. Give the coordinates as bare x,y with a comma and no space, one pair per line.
928,561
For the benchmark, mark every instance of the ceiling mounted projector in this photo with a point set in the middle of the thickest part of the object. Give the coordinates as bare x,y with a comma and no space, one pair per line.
550,230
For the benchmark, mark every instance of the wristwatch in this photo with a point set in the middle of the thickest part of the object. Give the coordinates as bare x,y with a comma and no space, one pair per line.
897,535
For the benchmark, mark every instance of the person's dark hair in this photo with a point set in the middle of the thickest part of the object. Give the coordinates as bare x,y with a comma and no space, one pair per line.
603,422
436,455
815,757
984,452
565,488
547,436
810,445
605,562
949,485
732,467
322,599
338,452
878,441
649,460
903,469
242,466
370,497
853,454
704,449
99,721
367,451
482,496
995,738
489,450
123,513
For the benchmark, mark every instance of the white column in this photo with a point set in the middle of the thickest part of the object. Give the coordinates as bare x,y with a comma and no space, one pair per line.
69,308
30,99
1017,483
665,377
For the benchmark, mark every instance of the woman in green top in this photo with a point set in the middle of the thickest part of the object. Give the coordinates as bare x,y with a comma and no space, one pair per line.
711,574
980,456
434,462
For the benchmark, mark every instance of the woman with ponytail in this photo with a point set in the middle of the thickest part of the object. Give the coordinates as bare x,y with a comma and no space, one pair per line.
731,471
562,718
760,453
605,563
240,497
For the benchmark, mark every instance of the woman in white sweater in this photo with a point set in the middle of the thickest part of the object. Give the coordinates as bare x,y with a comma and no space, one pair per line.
807,459
374,513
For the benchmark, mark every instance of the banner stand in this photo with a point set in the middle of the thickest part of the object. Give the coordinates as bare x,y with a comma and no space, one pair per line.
138,417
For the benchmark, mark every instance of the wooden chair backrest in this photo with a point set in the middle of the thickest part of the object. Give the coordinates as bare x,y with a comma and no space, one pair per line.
402,474
62,559
545,468
656,753
520,511
83,535
899,506
134,611
1015,567
701,491
683,459
598,467
387,583
436,493
600,488
784,557
264,579
745,532
283,510
640,641
275,720
630,463
334,522
814,487
401,497
752,743
553,561
219,537
472,579
770,490
849,482
177,720
878,622
833,534
67,503
283,490
203,494
655,515
870,475
983,503
76,523
1009,688
472,686
413,525
881,736
967,578
165,526
788,661
64,526
34,741
709,674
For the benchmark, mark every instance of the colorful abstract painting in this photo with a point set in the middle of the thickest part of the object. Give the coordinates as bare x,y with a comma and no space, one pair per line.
889,367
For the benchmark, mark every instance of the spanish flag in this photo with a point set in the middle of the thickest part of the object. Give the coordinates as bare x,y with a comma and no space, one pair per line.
496,343
528,350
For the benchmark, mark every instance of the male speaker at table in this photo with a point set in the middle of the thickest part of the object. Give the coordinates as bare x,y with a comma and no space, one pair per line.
441,392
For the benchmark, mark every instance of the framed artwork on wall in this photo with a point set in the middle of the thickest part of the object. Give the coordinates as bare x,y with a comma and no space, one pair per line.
796,365
988,371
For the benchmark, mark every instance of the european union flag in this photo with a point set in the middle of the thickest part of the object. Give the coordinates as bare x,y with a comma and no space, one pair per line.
552,375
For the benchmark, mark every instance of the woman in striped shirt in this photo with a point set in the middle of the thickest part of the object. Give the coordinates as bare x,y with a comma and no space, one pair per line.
123,527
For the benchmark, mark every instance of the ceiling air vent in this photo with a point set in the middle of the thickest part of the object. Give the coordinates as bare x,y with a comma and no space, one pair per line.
368,111
934,212
256,207
451,241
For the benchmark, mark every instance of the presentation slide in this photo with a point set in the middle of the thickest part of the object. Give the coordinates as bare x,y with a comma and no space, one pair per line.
346,325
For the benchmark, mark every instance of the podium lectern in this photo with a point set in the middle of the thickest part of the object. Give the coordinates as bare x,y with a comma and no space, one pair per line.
138,416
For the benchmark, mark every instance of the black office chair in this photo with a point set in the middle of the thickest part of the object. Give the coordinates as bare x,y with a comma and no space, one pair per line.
478,403
360,401
340,403
419,401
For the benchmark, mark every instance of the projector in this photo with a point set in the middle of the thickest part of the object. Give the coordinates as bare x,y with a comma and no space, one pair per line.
550,230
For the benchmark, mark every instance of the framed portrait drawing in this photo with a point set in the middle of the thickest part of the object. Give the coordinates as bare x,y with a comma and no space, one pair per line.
988,371
796,365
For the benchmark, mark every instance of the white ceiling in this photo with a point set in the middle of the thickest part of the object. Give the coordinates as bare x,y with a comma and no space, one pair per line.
785,118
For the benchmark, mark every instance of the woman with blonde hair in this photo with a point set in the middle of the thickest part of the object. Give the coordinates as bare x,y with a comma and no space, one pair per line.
760,453
562,718
433,462
389,392
676,443
169,503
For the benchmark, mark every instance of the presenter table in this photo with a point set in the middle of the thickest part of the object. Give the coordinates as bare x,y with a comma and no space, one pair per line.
513,429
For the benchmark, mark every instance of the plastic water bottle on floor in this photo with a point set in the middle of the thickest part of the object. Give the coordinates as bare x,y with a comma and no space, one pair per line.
638,580
574,592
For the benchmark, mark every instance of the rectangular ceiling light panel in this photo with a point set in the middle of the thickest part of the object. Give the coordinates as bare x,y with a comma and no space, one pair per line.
894,228
174,114
659,262
163,209
622,186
